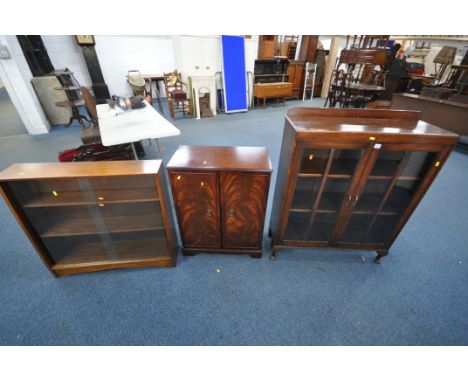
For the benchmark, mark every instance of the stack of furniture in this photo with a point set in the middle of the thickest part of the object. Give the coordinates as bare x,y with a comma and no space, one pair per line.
351,178
357,78
85,217
271,80
74,99
220,196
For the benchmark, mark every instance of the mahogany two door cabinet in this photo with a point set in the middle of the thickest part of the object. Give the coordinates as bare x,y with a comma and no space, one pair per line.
351,178
220,196
92,216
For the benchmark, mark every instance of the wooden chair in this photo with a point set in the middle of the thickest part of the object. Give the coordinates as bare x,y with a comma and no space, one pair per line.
176,93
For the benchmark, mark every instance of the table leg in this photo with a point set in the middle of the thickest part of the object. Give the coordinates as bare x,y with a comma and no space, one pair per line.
159,96
134,151
264,102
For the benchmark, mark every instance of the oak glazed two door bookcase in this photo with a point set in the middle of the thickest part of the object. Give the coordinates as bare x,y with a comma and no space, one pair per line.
352,178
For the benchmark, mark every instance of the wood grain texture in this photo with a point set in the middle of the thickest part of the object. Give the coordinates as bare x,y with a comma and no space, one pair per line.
100,227
196,198
27,171
243,205
375,132
236,158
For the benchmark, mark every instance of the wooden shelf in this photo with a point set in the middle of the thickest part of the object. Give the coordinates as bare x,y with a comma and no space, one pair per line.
79,253
60,227
77,198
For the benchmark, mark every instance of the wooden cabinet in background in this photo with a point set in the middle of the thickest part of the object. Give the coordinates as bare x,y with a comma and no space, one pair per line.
351,178
220,196
296,77
308,49
92,216
266,47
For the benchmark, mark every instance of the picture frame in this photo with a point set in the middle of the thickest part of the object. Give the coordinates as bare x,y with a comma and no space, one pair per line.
85,40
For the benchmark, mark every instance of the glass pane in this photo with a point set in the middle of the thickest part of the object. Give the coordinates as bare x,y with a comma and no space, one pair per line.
314,161
382,227
400,196
95,219
306,193
387,163
345,162
323,227
372,195
356,228
418,164
333,194
297,226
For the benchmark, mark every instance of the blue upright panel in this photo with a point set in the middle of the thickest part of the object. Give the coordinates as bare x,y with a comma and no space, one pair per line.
234,75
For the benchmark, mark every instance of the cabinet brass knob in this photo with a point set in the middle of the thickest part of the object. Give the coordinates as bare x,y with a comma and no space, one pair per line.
207,67
197,67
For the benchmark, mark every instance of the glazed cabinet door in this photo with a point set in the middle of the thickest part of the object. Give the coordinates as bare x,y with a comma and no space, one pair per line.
325,178
243,205
393,181
196,199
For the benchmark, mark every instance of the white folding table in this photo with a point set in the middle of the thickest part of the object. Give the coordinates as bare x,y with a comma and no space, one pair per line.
133,126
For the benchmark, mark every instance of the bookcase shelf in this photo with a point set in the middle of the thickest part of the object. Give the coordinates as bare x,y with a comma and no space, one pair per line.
93,216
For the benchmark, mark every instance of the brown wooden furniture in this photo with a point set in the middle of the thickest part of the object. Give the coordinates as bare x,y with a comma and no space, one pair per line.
308,50
266,47
86,217
220,196
296,77
450,115
351,178
273,90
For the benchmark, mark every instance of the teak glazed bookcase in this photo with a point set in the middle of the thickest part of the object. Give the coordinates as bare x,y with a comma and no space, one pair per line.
92,216
351,178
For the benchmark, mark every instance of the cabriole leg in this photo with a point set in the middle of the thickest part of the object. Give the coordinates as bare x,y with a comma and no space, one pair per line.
380,254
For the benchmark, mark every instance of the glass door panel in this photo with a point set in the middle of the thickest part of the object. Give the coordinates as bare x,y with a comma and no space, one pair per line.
314,161
95,219
306,193
333,194
323,227
345,162
297,226
418,164
387,163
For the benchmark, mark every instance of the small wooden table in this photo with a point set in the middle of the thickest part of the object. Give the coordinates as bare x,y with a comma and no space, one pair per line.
272,90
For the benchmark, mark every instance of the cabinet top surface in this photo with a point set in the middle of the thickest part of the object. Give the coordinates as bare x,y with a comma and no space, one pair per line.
234,158
332,120
25,171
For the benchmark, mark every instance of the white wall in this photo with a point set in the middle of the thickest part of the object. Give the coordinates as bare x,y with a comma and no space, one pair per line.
16,76
118,54
64,52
